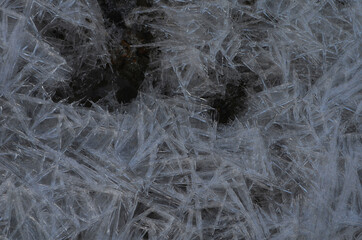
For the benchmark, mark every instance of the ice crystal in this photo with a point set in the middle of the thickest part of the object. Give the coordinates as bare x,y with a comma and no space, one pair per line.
286,165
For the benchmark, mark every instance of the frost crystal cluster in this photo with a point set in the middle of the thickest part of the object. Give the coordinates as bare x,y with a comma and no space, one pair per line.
247,124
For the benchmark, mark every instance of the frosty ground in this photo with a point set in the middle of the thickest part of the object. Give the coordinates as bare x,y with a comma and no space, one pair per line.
232,120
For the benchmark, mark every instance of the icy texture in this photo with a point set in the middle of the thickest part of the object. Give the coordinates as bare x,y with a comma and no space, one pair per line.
288,167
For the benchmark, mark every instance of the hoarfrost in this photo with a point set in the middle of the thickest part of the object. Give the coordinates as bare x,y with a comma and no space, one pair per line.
287,166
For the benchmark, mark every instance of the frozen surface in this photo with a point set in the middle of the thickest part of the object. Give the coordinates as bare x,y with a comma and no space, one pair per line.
289,166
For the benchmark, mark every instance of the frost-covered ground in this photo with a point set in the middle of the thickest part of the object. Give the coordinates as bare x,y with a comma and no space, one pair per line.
247,124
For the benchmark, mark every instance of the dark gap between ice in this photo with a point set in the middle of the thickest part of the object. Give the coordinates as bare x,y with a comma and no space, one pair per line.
128,65
229,105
